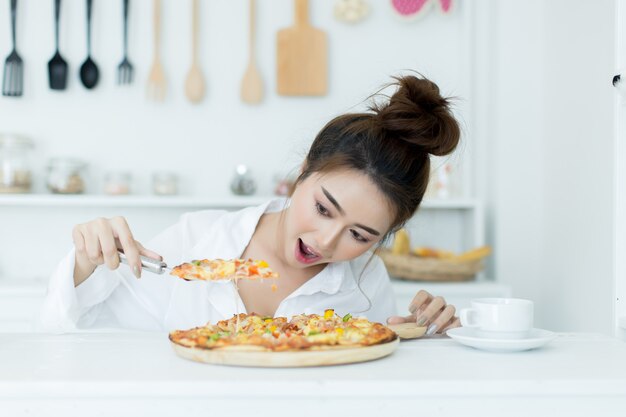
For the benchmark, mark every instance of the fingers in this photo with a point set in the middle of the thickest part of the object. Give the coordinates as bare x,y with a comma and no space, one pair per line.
97,242
421,299
147,252
107,244
129,246
431,311
442,320
455,322
427,310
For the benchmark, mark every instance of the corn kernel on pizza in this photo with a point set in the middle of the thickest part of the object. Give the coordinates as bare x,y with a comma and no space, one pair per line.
223,270
303,332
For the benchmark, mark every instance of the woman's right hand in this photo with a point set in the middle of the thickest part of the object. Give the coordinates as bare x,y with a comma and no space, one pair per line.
97,242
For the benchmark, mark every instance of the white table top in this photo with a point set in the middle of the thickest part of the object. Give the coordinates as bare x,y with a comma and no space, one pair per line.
572,363
144,365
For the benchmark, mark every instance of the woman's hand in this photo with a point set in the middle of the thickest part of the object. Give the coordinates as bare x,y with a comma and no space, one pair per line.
430,311
97,242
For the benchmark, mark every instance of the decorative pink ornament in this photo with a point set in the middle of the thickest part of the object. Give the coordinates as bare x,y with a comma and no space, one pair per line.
446,6
410,9
413,9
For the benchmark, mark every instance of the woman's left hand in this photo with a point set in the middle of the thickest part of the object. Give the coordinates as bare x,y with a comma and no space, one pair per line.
427,310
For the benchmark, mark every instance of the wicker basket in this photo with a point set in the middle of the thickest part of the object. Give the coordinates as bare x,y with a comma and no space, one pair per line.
429,269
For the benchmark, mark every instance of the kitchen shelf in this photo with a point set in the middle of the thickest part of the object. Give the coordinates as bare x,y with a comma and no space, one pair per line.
55,200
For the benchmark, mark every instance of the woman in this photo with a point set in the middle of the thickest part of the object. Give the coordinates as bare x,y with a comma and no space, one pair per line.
363,178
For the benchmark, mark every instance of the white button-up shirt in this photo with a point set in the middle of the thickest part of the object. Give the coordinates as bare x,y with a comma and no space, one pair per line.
161,302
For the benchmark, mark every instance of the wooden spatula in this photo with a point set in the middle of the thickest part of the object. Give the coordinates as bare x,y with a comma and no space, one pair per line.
302,57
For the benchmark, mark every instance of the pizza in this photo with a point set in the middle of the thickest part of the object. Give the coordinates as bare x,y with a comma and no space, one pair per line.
223,270
251,332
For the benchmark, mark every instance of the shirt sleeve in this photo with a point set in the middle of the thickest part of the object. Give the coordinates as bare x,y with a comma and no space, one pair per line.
64,304
67,308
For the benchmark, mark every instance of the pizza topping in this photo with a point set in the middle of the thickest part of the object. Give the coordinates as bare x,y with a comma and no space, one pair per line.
224,270
280,334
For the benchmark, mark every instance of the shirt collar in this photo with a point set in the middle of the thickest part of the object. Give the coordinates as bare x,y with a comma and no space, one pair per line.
337,276
229,238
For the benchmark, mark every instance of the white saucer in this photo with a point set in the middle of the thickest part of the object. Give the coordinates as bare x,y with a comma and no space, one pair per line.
468,337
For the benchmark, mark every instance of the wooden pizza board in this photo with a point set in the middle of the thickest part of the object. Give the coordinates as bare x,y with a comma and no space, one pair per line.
246,357
302,57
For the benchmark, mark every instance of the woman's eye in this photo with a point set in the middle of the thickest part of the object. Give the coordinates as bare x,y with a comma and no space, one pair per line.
322,210
358,237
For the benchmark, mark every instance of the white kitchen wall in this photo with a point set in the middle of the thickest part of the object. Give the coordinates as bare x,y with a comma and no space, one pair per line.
619,296
535,98
551,159
116,128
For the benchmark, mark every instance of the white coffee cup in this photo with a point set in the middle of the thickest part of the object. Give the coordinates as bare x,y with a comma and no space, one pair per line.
501,318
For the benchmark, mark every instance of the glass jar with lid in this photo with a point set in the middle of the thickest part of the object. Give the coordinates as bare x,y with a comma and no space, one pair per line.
117,183
15,169
66,176
164,183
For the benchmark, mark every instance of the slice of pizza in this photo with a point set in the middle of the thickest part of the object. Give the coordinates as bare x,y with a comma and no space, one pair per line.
223,270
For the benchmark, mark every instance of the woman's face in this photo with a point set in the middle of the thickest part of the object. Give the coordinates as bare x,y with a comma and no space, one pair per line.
333,217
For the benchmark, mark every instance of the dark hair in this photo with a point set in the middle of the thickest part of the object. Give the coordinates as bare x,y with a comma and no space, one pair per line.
391,143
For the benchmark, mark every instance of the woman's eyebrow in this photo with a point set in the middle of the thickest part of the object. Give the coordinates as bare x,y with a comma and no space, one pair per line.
338,207
368,229
332,200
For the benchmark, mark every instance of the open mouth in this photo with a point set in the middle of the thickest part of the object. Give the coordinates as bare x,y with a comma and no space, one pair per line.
306,254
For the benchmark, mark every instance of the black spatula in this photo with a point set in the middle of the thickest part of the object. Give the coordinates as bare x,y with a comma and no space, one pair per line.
57,67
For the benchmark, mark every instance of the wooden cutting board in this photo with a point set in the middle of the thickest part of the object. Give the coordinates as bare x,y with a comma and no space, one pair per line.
286,359
302,57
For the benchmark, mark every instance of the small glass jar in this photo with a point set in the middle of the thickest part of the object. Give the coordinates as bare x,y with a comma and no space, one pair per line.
66,176
117,183
164,183
15,170
242,182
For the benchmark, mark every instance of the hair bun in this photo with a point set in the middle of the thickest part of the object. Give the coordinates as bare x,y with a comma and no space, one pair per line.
418,114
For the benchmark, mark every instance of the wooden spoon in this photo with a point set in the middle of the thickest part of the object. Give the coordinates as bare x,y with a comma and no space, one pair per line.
194,85
252,84
407,330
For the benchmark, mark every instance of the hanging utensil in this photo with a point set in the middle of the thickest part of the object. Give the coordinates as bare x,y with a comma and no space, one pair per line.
125,68
194,84
57,66
13,80
89,73
302,57
156,80
252,83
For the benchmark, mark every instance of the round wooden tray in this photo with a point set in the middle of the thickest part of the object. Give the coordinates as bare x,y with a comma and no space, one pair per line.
246,357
